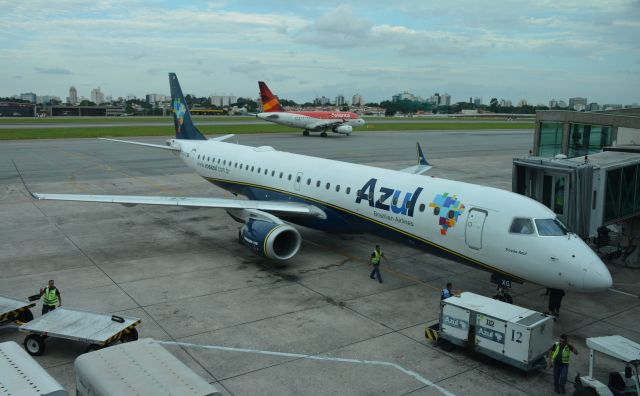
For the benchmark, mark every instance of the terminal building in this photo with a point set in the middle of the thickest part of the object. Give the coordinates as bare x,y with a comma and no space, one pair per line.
586,168
85,111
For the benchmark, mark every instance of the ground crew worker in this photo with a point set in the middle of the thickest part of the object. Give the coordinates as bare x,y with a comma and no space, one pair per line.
51,297
555,299
447,291
559,359
376,257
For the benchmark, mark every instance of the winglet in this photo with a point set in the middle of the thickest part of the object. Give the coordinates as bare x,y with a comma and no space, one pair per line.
421,158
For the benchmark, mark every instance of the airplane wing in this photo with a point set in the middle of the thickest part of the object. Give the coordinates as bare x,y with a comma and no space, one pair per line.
422,166
172,148
325,124
287,208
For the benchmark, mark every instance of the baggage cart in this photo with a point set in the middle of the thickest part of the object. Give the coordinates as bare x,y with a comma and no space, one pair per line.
96,329
14,310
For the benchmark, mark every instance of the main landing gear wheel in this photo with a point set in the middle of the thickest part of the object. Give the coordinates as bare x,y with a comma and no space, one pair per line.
131,336
323,134
506,297
34,344
305,133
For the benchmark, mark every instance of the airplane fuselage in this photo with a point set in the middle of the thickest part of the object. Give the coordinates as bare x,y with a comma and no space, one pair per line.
309,119
469,223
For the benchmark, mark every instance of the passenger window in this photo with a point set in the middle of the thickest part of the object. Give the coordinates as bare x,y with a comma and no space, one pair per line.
338,188
281,175
521,225
421,207
328,185
298,179
318,183
348,190
198,156
224,162
266,171
218,160
408,205
289,176
252,168
308,182
273,173
258,170
208,158
236,165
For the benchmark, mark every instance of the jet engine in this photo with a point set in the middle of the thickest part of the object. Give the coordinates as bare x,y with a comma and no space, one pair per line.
271,240
344,129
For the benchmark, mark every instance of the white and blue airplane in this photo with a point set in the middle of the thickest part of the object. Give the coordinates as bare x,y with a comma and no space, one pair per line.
507,234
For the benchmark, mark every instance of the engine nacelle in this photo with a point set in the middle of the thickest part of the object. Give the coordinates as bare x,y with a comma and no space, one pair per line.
344,129
271,240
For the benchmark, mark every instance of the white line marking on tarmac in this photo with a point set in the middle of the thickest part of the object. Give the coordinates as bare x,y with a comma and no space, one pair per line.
621,292
325,358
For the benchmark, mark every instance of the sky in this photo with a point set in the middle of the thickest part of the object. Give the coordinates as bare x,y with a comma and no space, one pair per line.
538,50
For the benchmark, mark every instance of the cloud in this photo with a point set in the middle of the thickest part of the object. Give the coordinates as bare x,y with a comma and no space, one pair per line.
52,70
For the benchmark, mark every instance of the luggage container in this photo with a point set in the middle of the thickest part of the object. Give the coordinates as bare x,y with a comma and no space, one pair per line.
514,335
142,368
21,375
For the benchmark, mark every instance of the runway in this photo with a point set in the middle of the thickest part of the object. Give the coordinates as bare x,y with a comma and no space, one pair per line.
184,274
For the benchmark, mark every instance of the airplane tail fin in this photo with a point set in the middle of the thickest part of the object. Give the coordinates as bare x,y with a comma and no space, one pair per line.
181,117
270,102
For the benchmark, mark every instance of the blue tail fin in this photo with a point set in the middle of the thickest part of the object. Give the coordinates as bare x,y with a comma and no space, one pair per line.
181,117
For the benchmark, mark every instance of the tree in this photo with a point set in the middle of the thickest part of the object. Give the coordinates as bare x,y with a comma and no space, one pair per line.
87,103
389,112
344,108
493,104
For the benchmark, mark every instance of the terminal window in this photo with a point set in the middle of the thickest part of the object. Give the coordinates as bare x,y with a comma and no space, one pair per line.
622,193
550,139
587,139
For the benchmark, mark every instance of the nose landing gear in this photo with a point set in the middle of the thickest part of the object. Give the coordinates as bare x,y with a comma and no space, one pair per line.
504,289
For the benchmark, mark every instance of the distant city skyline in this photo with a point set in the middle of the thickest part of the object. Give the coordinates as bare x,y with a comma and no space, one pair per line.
535,51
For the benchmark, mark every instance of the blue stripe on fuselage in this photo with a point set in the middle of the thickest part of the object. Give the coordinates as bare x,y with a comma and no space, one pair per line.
340,220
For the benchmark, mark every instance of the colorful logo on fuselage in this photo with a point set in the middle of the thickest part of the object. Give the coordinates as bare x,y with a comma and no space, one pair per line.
179,109
448,209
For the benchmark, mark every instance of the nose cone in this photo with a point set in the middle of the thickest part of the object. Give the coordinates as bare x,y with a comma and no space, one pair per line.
597,277
362,121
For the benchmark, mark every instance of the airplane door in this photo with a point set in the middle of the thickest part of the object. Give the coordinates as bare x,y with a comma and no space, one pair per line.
298,181
193,156
473,231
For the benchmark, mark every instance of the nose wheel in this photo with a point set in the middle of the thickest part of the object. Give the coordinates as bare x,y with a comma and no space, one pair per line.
323,134
504,289
305,133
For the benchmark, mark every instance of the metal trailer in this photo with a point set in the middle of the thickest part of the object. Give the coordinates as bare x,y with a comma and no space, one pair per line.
137,368
620,383
97,329
13,310
21,375
514,335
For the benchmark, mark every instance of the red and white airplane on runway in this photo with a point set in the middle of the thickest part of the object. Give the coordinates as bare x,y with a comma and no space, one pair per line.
341,122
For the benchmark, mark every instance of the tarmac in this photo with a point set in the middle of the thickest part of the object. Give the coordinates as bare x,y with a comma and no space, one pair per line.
184,274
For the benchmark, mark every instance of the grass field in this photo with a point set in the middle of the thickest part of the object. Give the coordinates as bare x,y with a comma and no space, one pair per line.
62,133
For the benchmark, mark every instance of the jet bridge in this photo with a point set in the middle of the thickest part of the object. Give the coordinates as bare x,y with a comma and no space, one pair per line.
587,192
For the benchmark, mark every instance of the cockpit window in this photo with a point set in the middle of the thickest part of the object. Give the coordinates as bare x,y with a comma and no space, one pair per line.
550,227
521,225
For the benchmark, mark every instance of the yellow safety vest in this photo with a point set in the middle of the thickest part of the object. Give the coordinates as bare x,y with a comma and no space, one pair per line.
375,260
50,296
566,352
